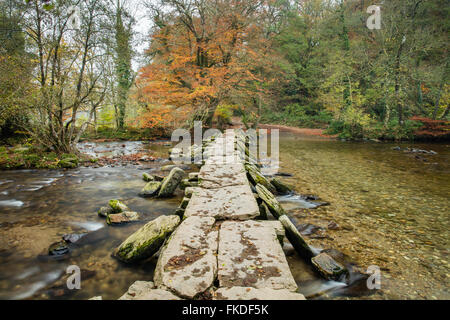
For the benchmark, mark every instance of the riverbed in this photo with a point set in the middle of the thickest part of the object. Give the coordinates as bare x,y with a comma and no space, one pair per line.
387,208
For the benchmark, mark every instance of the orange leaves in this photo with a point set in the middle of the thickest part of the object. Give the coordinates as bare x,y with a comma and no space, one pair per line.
200,61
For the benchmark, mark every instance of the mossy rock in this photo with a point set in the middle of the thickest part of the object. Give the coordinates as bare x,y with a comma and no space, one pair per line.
150,177
147,240
171,182
104,211
68,163
256,177
269,199
295,238
151,189
328,267
118,206
281,187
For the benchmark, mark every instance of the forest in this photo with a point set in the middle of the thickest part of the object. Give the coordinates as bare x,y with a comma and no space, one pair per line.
70,68
224,149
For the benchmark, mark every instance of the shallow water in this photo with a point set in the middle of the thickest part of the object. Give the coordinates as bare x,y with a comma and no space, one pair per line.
391,207
37,207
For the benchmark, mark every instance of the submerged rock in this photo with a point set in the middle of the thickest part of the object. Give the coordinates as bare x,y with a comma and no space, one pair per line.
72,238
118,206
58,248
269,199
104,211
151,189
147,240
122,217
280,186
171,182
328,267
295,238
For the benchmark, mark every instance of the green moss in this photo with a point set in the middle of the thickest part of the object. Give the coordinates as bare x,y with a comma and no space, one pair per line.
28,157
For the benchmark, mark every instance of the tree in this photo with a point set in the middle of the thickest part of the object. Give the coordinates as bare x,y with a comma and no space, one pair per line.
70,64
202,52
123,53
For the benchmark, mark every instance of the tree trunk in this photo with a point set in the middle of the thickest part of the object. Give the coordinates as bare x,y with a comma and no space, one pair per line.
397,82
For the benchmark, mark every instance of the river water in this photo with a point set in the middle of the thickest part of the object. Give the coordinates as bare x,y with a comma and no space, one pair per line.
387,208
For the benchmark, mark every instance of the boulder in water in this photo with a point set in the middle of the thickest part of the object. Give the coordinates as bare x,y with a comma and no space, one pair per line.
151,177
60,248
171,182
118,206
104,211
122,217
328,267
147,240
151,189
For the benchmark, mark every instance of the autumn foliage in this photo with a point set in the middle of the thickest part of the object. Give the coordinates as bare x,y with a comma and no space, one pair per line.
203,54
432,129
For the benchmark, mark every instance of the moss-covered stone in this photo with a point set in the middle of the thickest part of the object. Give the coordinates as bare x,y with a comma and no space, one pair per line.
151,177
171,182
263,212
118,206
104,211
281,187
151,189
295,238
256,177
147,240
68,163
269,199
328,267
184,202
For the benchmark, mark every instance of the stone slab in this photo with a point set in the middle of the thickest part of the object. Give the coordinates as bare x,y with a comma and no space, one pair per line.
187,264
228,203
145,290
213,176
250,255
248,293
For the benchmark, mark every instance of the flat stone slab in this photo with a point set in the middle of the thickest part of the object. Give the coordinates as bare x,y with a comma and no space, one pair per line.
187,264
278,227
213,176
145,290
250,255
248,293
228,203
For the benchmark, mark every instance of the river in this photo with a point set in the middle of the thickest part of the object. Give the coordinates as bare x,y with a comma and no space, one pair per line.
387,208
